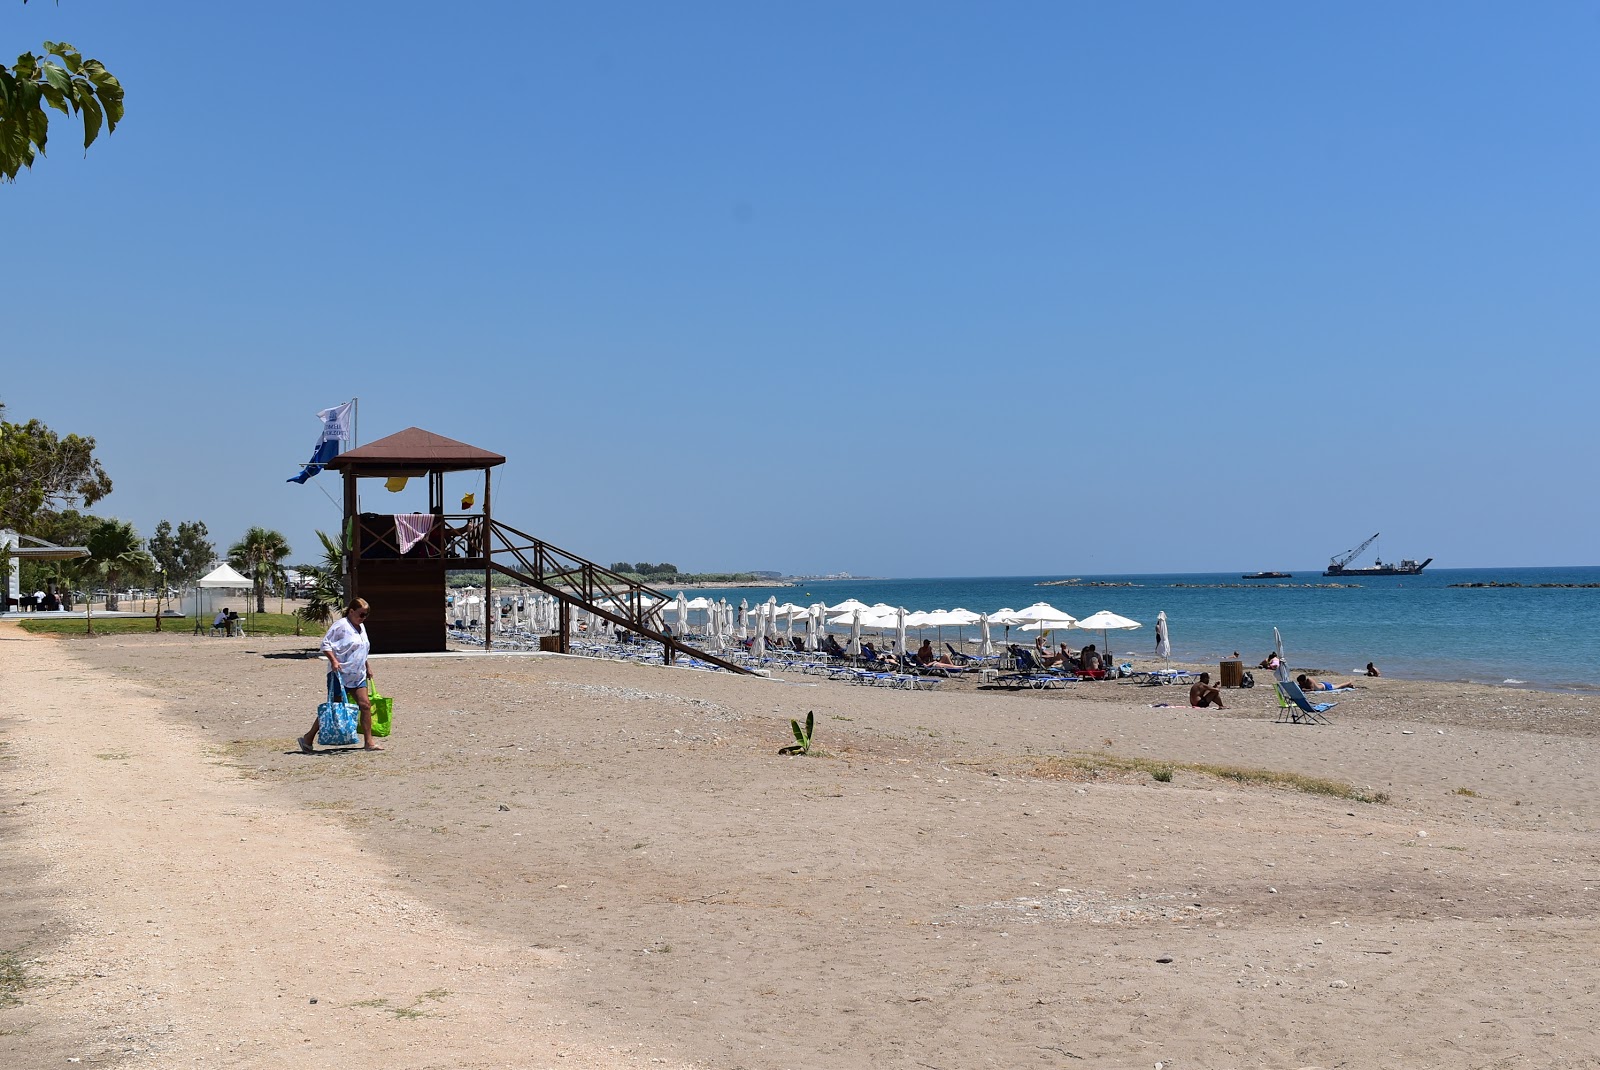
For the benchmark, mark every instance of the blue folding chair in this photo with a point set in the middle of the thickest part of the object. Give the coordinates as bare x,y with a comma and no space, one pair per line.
1295,708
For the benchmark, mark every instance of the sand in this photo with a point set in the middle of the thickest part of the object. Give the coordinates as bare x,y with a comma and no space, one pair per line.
566,863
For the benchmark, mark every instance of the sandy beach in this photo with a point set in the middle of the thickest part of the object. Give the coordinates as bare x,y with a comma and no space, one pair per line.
569,863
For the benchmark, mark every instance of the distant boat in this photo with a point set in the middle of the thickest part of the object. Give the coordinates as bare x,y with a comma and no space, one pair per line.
1340,566
1267,576
1407,567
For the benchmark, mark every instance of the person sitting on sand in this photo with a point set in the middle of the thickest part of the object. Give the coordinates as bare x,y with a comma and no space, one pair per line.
1203,695
1372,670
1270,661
1308,684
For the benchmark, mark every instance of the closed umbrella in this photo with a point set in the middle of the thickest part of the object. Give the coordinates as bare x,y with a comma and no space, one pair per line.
683,615
1282,671
900,630
1163,639
741,622
854,649
985,646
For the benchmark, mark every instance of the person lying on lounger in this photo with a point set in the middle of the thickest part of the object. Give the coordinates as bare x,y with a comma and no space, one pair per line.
1202,695
1308,684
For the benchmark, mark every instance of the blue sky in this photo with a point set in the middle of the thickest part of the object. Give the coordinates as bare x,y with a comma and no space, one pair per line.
894,288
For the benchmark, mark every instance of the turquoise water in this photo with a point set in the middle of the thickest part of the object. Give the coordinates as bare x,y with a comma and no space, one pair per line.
1411,626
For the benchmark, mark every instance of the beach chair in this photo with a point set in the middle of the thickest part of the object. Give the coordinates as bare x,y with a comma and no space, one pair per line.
1031,674
973,660
1295,708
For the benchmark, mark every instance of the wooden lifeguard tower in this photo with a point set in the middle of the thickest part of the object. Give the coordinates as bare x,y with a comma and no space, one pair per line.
398,561
407,586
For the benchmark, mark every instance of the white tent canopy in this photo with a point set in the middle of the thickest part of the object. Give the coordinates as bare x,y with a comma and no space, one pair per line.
223,576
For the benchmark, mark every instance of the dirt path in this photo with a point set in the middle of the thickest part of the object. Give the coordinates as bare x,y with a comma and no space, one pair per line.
173,916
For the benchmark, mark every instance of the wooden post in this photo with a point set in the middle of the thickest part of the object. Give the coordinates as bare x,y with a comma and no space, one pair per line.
489,619
353,552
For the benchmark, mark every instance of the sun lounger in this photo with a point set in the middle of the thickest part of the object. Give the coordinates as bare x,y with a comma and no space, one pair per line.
1295,708
972,659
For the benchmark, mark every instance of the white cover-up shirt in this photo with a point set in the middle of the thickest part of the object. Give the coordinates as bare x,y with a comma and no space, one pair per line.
350,645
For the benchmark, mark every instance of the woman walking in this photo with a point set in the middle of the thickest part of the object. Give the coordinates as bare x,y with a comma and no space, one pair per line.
346,648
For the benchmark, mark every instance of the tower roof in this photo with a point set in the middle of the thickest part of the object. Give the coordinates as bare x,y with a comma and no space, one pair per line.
413,451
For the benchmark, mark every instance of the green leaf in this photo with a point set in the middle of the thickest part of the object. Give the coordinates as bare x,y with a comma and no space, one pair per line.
799,733
54,97
92,114
110,91
811,724
69,55
57,77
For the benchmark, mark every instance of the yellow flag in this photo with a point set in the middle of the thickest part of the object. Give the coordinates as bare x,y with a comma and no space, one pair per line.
395,484
467,500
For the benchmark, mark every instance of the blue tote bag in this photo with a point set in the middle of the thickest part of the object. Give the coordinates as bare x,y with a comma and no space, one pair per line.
337,717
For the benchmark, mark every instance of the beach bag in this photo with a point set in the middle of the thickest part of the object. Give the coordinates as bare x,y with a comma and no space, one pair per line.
337,718
382,710
1247,680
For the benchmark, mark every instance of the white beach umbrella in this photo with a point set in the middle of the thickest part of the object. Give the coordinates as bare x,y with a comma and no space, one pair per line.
814,627
1039,611
1163,638
771,618
1282,671
985,647
683,614
854,649
1106,621
847,605
900,631
741,622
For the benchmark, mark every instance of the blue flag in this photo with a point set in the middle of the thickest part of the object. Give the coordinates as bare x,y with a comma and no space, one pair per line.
335,428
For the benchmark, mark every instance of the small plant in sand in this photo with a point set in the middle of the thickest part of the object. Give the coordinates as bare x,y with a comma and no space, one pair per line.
802,736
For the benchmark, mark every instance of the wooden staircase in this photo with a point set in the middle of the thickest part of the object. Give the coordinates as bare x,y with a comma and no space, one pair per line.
578,583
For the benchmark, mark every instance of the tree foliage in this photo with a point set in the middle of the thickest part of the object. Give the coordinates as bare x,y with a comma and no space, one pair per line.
185,556
40,472
34,86
260,556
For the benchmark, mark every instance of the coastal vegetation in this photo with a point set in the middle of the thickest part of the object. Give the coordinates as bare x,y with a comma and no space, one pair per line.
1094,764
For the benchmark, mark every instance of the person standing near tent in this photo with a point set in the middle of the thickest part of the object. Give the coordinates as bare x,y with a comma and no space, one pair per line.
346,647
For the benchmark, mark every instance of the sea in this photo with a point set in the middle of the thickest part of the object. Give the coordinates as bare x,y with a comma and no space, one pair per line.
1537,635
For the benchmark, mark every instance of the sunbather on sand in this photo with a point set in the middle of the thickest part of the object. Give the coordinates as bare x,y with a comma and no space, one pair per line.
1308,684
1372,670
1203,695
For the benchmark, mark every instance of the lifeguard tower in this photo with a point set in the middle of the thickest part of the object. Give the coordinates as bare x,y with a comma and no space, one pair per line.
398,561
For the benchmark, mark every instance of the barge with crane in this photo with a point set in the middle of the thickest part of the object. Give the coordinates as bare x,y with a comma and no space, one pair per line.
1340,566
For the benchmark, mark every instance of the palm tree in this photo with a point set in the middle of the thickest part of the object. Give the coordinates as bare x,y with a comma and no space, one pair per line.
260,556
326,599
115,552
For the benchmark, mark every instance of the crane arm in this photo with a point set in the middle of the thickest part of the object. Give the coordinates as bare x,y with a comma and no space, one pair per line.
1350,555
